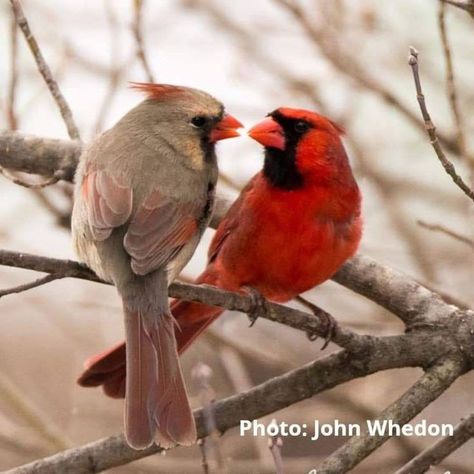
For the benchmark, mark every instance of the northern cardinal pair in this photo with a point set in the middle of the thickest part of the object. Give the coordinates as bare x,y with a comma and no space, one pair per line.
144,195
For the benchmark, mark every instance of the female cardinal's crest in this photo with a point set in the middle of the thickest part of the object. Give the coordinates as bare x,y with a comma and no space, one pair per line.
158,91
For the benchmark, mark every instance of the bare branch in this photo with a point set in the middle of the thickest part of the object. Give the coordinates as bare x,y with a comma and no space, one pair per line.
275,444
444,230
16,180
440,450
12,86
137,33
431,129
34,284
451,86
467,6
45,71
427,389
200,293
44,156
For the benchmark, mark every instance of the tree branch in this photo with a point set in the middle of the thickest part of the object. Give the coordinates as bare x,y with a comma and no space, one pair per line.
440,450
200,293
33,284
467,6
45,71
35,155
431,129
445,230
427,389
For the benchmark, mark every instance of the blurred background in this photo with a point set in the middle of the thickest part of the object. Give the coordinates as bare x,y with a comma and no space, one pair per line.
344,58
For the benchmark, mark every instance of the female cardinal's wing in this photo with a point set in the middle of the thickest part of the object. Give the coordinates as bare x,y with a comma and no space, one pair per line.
157,229
108,201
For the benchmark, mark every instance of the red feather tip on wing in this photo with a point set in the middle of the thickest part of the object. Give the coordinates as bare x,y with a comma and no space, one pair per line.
158,91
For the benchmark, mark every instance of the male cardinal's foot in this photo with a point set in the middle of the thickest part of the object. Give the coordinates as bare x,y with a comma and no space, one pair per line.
259,304
326,319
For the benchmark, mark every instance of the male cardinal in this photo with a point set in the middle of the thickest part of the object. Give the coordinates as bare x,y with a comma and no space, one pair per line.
295,223
144,195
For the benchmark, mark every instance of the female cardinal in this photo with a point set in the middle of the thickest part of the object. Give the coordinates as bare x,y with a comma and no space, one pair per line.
292,227
144,195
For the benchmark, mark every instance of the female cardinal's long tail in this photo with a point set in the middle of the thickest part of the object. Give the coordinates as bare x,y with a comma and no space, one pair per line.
108,367
156,402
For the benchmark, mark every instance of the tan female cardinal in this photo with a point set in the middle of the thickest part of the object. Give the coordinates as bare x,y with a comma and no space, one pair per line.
144,195
292,227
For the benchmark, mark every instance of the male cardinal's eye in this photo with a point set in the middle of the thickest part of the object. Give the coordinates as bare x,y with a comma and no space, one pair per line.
301,127
199,121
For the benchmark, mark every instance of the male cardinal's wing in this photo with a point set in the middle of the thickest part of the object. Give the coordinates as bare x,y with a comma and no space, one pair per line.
230,221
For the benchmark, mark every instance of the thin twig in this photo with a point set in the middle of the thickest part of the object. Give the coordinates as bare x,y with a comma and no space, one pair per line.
467,6
137,33
12,119
204,463
451,87
427,389
116,72
440,450
445,230
33,284
202,373
275,444
53,180
45,71
431,129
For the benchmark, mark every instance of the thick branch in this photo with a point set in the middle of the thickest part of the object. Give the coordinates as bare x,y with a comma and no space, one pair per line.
427,389
271,396
35,155
404,297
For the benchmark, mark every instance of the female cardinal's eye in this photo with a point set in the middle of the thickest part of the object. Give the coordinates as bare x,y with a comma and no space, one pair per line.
301,127
199,121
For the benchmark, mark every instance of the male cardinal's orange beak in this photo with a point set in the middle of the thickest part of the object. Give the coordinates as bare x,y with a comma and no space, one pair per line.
268,133
225,128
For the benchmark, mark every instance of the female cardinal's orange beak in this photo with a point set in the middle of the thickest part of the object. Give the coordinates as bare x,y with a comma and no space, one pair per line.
225,128
268,133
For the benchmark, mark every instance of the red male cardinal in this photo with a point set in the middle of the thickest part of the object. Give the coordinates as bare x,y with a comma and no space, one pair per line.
292,227
144,195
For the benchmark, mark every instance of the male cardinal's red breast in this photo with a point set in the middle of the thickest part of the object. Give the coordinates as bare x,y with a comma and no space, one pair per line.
295,223
144,195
